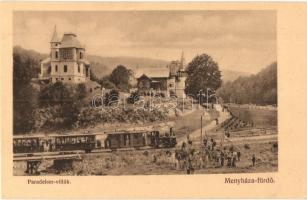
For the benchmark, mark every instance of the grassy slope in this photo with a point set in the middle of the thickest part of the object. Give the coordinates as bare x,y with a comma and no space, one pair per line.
260,118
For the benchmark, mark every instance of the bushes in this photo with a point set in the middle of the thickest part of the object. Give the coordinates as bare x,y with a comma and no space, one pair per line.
60,94
60,106
80,91
54,94
111,98
63,107
54,117
106,83
172,93
134,97
90,116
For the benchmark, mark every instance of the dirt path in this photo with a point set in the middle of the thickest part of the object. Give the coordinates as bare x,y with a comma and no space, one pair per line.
247,140
258,137
207,130
195,135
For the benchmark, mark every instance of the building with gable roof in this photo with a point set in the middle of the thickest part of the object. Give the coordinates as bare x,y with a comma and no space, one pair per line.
168,80
67,62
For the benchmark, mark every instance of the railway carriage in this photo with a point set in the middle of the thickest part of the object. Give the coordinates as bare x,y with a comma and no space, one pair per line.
117,140
71,142
132,139
91,141
53,142
137,139
27,144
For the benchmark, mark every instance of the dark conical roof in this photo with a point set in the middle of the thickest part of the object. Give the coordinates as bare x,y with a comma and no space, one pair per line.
182,61
55,37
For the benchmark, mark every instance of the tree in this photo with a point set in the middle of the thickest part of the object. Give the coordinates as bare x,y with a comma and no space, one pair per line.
203,72
23,70
55,94
80,91
93,76
70,113
257,89
106,83
120,77
24,95
67,98
23,107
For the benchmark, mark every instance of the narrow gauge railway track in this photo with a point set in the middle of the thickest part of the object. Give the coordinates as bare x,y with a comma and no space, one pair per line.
59,154
235,140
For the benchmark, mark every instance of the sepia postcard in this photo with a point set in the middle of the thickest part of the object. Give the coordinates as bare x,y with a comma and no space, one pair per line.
153,100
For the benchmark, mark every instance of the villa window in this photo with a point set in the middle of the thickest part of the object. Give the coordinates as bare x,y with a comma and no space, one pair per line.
81,56
78,68
65,68
56,55
66,53
56,68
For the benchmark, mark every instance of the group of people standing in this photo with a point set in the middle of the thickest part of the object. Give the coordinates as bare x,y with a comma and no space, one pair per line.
221,156
209,154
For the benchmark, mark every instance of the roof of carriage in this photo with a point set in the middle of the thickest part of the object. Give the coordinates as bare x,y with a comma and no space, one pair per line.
29,136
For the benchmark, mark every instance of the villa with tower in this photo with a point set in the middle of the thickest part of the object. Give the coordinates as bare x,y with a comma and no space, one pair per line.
169,80
67,61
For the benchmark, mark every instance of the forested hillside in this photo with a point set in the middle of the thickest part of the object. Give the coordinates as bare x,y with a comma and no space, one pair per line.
102,66
256,89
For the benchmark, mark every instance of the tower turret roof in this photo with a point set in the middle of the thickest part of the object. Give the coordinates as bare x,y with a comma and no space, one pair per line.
55,37
182,62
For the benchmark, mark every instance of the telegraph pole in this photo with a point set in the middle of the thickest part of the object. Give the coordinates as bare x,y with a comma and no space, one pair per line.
207,99
201,128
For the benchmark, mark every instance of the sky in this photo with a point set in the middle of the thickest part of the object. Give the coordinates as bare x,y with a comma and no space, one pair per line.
237,40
